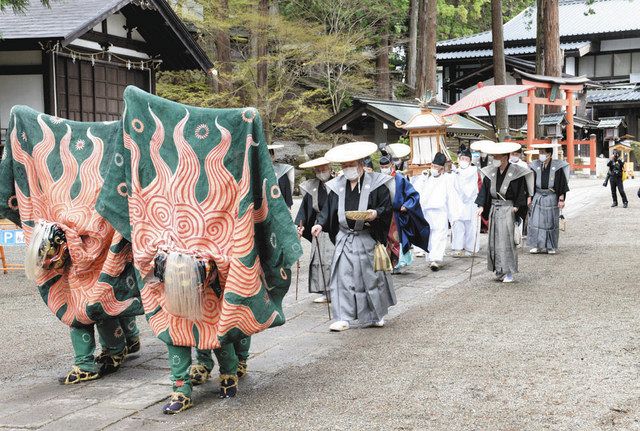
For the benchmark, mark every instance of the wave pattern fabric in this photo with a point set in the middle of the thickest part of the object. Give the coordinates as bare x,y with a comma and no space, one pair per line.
53,170
200,181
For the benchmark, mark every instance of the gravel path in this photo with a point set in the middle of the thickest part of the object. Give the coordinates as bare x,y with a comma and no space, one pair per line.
556,350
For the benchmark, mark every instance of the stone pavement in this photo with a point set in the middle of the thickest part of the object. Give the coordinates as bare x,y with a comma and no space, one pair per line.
131,398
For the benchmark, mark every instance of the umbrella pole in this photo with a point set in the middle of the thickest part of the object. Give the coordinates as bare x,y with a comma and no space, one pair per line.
495,131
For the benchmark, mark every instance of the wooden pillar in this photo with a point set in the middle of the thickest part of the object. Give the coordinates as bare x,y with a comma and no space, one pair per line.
531,118
570,130
592,154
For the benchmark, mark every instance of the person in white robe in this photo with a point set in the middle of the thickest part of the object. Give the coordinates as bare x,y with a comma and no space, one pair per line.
466,182
441,206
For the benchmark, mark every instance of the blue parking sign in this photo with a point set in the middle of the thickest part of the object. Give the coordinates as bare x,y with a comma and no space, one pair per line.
12,237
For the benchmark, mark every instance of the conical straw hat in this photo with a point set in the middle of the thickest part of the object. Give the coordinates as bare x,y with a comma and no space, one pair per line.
351,152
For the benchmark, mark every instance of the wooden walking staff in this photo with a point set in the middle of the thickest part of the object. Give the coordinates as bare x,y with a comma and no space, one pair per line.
324,281
475,246
298,267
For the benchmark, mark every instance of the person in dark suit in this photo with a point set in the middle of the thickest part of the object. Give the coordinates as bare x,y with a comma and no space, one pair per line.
616,167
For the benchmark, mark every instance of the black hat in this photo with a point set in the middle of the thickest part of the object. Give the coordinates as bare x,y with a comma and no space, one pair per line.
368,163
385,160
439,159
464,151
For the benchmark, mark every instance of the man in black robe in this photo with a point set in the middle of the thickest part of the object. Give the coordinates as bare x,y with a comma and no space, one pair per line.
314,197
503,200
551,178
358,292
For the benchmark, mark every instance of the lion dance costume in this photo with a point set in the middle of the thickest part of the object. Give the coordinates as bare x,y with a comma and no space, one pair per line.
213,241
50,177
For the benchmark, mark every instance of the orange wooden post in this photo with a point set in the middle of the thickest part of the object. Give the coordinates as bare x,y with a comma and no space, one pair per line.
3,257
570,146
592,154
531,117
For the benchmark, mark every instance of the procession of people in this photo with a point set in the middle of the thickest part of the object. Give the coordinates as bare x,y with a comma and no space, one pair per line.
206,251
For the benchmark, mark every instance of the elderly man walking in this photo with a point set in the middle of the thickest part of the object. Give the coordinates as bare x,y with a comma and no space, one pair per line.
357,217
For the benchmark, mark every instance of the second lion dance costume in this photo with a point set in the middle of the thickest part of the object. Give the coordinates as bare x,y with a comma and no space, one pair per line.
50,177
197,195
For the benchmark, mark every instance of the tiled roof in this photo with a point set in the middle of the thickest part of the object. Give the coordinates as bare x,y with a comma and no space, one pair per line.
609,122
575,20
405,111
553,119
486,53
62,19
627,93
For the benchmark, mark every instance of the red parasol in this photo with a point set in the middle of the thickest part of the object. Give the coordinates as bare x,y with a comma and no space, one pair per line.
485,96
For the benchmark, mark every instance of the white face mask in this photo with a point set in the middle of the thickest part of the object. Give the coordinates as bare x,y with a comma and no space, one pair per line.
543,157
435,172
497,163
514,159
464,164
351,173
386,171
323,176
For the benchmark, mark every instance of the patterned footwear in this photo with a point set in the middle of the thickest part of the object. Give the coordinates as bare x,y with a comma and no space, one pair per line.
178,403
242,368
198,374
112,363
102,357
133,345
228,385
76,375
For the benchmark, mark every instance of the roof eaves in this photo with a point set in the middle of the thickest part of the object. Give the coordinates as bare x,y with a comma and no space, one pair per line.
89,24
183,33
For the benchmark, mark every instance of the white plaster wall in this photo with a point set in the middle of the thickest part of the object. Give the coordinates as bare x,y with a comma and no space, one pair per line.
116,24
20,58
20,90
570,65
620,44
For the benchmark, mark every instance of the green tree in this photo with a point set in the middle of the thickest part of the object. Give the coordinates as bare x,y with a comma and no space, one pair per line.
18,5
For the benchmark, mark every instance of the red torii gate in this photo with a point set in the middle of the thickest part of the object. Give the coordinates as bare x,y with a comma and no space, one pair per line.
553,88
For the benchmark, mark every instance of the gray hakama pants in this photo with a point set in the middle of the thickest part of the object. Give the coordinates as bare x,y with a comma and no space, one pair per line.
316,282
502,255
544,221
357,291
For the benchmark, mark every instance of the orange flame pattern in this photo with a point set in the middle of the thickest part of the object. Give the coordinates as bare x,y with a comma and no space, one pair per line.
89,236
166,215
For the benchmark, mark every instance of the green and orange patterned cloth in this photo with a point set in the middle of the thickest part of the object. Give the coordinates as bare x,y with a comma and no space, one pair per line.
200,182
52,170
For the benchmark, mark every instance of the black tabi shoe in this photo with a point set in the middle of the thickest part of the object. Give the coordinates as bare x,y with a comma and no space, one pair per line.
242,368
76,375
112,363
228,385
625,205
615,204
178,403
133,345
199,374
